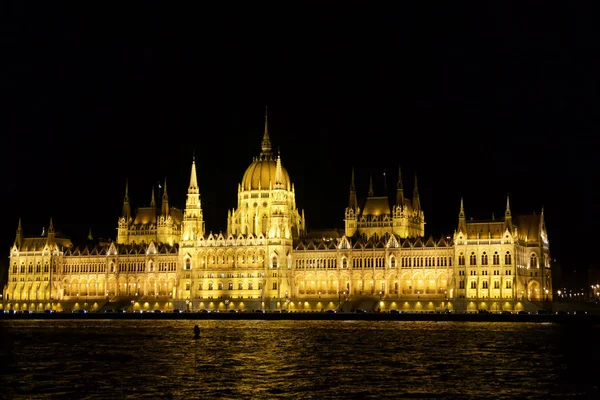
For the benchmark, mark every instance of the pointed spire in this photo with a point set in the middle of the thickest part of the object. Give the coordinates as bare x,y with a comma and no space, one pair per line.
416,200
165,201
399,189
352,203
19,237
90,237
370,194
278,174
50,232
462,222
508,216
399,184
126,206
152,201
193,224
266,141
193,179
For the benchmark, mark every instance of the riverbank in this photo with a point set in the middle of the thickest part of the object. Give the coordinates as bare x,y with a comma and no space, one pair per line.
374,316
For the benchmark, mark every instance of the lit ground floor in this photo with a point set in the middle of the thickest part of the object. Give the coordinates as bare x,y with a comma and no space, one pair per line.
367,303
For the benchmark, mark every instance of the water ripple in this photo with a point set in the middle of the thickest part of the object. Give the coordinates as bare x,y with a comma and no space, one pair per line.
157,359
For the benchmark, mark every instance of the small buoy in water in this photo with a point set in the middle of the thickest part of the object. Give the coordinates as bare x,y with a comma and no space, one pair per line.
196,331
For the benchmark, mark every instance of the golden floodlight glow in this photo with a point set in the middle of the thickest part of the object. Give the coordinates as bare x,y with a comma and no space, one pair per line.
380,252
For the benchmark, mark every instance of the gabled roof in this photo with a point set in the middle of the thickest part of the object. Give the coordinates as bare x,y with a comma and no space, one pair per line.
430,242
485,229
528,226
442,242
376,206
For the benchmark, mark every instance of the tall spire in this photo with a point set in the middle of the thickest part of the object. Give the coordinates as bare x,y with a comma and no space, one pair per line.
165,201
416,200
399,189
266,141
462,222
193,224
193,179
19,237
126,205
370,194
152,201
278,174
352,203
50,232
508,215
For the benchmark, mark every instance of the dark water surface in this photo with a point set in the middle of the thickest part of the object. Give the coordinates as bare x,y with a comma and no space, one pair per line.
158,359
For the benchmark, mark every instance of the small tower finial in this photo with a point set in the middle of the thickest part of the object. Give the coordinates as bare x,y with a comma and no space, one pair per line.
266,141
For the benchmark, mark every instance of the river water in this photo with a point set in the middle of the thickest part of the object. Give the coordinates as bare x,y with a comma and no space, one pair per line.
256,359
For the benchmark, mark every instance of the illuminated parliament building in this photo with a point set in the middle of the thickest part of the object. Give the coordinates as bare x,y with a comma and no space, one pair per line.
163,258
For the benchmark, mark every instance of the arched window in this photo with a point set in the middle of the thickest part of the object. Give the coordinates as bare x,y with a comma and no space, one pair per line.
393,262
210,286
344,263
274,262
461,259
496,258
188,263
533,261
507,258
484,259
473,259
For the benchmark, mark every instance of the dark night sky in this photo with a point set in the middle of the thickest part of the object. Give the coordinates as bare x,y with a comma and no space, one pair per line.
479,100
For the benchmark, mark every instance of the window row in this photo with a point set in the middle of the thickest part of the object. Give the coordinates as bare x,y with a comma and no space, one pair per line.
30,269
484,258
485,285
230,286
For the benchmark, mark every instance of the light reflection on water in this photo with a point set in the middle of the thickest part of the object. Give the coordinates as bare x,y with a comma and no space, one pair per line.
158,359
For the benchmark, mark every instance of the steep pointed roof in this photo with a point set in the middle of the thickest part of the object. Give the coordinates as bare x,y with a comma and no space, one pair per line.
430,242
193,178
265,144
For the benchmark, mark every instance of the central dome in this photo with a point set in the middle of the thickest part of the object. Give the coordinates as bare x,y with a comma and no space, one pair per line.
262,172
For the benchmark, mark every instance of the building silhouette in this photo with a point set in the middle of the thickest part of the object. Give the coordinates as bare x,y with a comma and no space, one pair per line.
163,257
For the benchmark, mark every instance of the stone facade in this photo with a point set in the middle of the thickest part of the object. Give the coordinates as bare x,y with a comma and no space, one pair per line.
163,258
